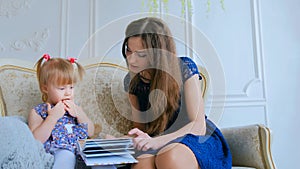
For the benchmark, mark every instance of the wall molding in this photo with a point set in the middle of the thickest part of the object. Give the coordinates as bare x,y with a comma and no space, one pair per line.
11,8
258,66
92,29
243,97
36,42
64,28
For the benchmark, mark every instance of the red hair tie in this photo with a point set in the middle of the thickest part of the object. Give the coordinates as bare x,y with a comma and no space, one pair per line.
46,57
72,60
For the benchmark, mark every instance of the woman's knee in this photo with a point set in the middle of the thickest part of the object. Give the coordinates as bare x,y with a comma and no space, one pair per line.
145,161
176,156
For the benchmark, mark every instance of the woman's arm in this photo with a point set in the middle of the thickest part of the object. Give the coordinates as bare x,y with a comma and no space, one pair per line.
195,109
195,106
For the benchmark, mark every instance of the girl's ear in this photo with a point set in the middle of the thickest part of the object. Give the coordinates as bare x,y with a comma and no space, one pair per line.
44,89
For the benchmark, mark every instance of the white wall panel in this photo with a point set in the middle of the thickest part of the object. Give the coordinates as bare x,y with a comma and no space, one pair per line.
242,116
236,34
29,28
79,27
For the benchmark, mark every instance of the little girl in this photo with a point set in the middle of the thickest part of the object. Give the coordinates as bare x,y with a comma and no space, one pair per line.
59,122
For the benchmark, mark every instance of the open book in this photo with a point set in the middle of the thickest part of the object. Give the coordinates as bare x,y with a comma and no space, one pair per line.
97,152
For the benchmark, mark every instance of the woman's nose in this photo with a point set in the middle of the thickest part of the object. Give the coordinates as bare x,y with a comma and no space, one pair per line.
131,58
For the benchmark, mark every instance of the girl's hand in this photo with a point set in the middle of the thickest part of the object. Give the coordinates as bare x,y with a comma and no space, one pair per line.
143,142
57,111
72,108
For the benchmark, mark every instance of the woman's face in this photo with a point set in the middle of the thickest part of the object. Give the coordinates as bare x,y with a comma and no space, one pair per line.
136,55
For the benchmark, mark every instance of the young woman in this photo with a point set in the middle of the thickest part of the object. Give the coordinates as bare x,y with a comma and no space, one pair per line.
59,122
171,128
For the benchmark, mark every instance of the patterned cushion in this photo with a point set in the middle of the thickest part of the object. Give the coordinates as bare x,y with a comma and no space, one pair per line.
20,90
102,96
250,146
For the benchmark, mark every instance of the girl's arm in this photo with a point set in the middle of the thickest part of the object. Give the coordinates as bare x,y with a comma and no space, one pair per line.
83,118
41,129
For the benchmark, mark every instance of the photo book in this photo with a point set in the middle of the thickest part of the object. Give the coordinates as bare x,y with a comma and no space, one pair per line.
97,152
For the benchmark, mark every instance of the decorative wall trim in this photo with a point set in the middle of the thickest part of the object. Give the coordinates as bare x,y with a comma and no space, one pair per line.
237,102
92,29
244,99
11,8
188,30
64,24
258,51
36,42
257,57
258,47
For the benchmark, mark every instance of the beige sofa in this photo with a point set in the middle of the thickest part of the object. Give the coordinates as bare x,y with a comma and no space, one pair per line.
102,96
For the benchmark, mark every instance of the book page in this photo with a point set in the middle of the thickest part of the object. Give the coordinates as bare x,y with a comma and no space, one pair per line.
106,151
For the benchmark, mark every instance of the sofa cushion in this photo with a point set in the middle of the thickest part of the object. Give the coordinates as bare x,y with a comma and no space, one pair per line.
101,94
250,145
19,90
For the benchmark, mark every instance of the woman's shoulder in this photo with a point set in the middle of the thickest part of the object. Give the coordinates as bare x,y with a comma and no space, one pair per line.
186,59
188,63
188,67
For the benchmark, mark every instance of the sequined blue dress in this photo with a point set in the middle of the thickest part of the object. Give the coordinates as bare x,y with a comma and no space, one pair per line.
211,150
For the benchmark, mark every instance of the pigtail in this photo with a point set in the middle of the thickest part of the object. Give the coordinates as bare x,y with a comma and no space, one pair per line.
38,67
80,70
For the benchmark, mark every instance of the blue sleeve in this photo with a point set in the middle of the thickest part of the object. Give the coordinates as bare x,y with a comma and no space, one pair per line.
188,68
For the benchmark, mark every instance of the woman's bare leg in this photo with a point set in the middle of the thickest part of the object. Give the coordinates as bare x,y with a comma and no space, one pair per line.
176,156
146,161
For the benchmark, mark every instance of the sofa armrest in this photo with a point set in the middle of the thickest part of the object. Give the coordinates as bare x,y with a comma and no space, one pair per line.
2,105
250,146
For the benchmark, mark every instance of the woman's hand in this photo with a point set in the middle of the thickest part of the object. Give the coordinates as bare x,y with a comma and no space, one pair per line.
143,142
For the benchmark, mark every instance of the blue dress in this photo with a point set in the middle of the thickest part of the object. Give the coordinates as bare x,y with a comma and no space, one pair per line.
65,133
211,150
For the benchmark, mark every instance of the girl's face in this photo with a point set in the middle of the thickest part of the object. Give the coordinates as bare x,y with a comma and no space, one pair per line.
58,93
136,55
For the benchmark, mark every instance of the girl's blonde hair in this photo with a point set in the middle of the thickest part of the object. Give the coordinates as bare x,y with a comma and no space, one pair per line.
57,71
164,69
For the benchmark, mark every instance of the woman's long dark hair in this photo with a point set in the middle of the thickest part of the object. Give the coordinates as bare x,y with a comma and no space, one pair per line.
164,69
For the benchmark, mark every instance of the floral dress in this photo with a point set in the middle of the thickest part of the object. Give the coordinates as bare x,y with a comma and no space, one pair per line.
65,133
211,149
